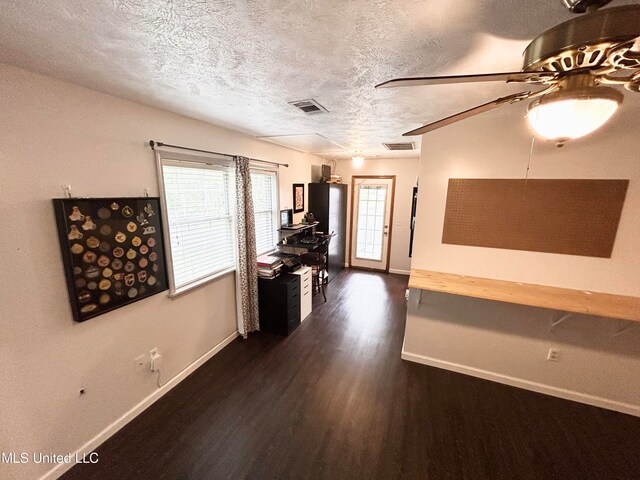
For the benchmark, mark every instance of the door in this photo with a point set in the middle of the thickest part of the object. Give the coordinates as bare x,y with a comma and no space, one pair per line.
372,212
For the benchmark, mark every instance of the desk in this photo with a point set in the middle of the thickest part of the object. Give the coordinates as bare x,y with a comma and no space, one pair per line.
302,229
299,228
565,299
294,246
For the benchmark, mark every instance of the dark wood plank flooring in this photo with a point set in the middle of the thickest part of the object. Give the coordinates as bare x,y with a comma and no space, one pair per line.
335,401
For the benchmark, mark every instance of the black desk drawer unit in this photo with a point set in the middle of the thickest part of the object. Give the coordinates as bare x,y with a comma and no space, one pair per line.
279,301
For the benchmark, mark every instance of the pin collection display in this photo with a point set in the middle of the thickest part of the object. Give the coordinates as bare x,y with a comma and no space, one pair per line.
113,252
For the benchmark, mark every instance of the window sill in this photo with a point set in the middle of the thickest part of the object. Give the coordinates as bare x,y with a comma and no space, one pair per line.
203,281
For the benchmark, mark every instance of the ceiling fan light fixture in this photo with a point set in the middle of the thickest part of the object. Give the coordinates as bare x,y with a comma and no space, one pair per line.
567,115
358,161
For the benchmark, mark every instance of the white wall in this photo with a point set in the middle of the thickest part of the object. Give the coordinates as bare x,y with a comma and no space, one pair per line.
299,171
600,359
508,343
406,172
53,133
497,145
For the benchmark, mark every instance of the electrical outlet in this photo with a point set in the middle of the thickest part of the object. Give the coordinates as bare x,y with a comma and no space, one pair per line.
140,362
155,357
553,355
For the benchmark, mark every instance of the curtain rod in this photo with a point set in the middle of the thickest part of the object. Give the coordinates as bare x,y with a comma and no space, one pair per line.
153,144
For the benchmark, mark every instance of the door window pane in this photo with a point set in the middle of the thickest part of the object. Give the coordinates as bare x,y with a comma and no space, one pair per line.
370,226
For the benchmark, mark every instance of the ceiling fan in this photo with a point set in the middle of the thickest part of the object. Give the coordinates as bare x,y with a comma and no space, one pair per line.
578,62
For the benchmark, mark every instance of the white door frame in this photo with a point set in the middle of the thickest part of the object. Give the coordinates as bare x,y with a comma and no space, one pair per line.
352,221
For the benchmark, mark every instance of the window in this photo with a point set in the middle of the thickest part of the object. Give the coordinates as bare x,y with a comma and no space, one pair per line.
198,205
264,187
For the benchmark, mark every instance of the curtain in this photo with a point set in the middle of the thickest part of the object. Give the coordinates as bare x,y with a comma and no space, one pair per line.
246,268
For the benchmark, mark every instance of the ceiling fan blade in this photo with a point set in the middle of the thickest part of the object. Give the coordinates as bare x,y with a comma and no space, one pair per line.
485,107
530,77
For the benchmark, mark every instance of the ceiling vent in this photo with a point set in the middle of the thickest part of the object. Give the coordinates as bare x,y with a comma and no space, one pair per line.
400,146
309,106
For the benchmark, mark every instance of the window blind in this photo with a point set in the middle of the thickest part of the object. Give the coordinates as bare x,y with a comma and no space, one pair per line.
265,204
199,219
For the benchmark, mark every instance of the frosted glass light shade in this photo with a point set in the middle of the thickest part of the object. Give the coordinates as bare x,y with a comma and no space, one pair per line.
564,118
358,161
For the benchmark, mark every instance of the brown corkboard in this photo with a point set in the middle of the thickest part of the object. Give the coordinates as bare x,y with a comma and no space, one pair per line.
572,217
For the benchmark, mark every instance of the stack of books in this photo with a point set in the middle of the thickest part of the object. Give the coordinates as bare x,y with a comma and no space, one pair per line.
269,266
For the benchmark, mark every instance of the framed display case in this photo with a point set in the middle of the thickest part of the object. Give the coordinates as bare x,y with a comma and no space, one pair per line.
113,252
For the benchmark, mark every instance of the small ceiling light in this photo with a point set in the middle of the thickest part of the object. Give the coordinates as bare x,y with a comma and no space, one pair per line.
573,112
358,161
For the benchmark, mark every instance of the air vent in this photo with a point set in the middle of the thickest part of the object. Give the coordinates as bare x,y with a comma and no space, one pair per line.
400,146
309,106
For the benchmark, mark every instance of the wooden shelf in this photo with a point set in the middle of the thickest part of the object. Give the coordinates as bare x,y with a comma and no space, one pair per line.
565,299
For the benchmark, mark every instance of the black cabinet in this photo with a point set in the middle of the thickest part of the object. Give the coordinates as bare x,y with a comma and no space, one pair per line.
279,303
328,202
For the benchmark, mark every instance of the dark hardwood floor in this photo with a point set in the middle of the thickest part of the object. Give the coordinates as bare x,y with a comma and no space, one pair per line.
335,401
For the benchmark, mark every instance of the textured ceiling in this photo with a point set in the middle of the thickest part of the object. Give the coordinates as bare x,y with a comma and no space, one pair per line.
238,63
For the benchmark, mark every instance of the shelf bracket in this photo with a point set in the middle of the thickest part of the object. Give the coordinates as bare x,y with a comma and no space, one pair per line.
563,316
625,326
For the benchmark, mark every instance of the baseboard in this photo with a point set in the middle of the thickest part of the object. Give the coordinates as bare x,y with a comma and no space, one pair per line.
399,272
96,441
526,384
391,270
